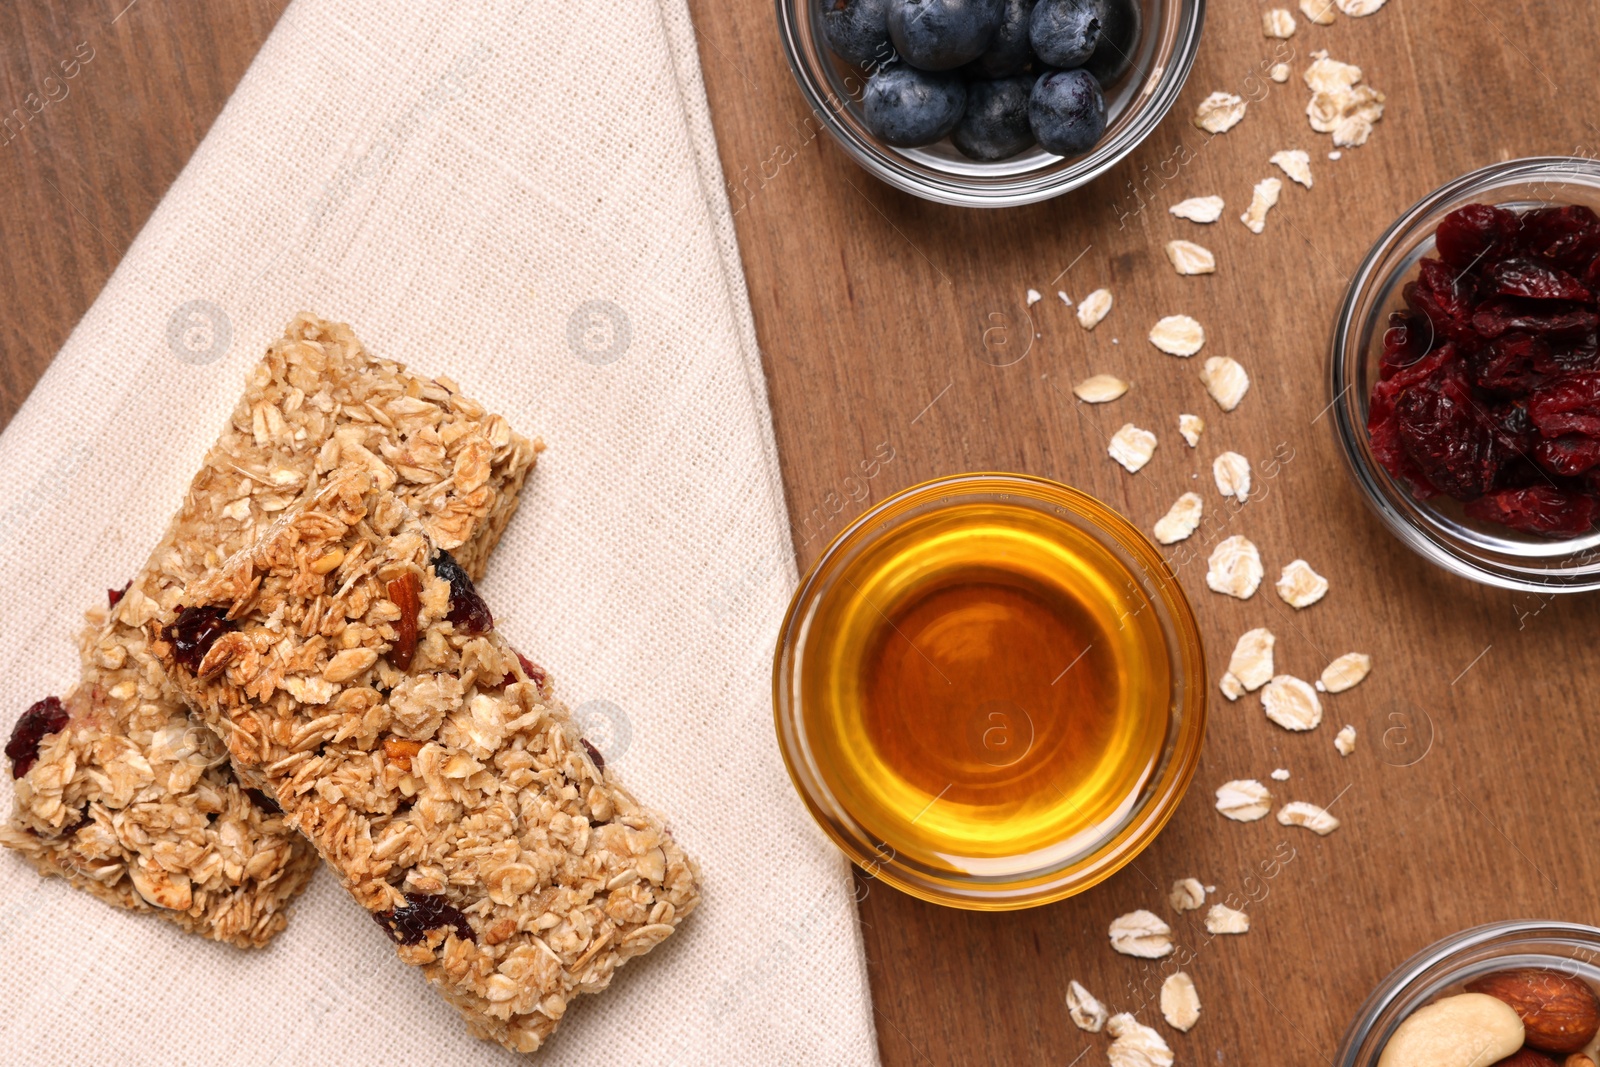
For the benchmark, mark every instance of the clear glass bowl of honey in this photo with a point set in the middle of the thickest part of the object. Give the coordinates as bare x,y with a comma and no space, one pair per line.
990,691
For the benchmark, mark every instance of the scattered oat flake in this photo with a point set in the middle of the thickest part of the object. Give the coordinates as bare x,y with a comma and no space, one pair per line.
1336,155
1187,894
1142,934
1178,335
1225,380
1251,662
1100,389
1219,112
1084,1009
1065,299
1222,919
1310,816
1347,671
1318,11
1198,208
1300,586
1033,297
1280,775
1189,258
1262,199
1291,703
1277,23
1231,472
1234,568
1180,1002
1326,75
1279,73
1359,8
1294,162
1093,308
1181,520
1338,104
1244,800
1345,740
1135,1044
1132,447
1190,427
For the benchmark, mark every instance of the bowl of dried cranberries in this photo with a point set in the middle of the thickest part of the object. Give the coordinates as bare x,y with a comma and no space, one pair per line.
1465,374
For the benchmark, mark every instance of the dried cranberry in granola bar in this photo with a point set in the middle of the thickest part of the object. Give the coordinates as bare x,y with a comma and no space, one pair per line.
454,797
131,800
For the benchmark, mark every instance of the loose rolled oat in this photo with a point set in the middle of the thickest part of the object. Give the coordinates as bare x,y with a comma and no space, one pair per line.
1300,586
1339,105
1280,775
1222,919
1187,894
1277,23
1359,8
429,764
1345,740
1094,308
1345,672
1135,1044
1198,208
1219,112
1296,163
1250,666
1231,472
1262,199
1225,380
1100,389
1279,73
1189,258
1310,816
134,801
1132,447
1318,11
1181,519
1180,1002
1234,568
1190,427
1178,335
1142,934
1033,297
1244,800
1085,1011
1291,703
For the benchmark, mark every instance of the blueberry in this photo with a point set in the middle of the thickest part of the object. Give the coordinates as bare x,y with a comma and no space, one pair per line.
908,107
1065,32
1067,111
995,124
1009,51
857,30
1120,23
942,34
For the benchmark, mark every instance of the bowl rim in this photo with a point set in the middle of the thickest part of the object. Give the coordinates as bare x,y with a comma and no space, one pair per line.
1168,81
1169,781
1377,489
1420,963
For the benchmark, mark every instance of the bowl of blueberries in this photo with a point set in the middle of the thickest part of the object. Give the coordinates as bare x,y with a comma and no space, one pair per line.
990,103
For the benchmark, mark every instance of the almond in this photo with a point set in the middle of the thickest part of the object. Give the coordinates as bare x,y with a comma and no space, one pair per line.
1560,1013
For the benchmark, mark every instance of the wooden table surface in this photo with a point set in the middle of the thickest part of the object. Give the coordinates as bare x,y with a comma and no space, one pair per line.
883,322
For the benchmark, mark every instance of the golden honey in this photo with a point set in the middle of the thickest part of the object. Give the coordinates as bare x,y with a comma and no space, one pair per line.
986,689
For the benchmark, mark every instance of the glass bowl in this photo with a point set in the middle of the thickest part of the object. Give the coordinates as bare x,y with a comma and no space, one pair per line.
823,668
1437,529
1135,103
1567,947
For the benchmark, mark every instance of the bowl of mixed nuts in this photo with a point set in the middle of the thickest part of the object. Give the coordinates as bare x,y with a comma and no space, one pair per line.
1465,375
989,103
1512,994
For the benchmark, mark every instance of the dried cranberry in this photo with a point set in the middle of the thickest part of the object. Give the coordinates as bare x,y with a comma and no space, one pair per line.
1514,363
1448,438
536,674
1555,232
594,754
468,611
1473,232
114,595
1505,313
1526,277
422,912
1569,405
1567,455
1538,509
1446,314
45,717
1408,339
193,633
264,802
84,819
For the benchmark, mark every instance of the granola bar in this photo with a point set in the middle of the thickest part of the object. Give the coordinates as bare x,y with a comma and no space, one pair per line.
358,679
124,795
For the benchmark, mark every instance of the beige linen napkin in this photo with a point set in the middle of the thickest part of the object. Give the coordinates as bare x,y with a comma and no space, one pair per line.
524,197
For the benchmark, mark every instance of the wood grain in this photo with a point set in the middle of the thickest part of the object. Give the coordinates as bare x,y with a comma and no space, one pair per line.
1472,793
